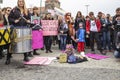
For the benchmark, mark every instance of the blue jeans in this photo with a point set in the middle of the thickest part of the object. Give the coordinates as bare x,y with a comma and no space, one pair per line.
63,42
106,40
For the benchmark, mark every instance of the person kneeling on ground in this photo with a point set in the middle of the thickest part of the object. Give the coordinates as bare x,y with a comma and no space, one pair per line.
71,58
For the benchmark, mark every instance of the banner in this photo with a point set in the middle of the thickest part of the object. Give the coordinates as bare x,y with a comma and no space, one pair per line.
4,35
59,11
37,39
37,36
35,20
50,27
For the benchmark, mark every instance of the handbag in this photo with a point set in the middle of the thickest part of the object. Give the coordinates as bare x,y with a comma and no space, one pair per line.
63,58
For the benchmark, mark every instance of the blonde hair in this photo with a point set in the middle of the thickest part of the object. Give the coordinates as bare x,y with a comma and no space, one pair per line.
25,11
1,18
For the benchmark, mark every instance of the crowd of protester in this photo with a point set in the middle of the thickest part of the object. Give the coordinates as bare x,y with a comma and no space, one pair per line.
82,31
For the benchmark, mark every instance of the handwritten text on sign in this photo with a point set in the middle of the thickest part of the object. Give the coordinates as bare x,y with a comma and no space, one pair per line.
50,27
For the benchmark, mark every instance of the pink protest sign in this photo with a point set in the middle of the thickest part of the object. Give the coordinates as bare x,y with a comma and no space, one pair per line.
37,39
50,27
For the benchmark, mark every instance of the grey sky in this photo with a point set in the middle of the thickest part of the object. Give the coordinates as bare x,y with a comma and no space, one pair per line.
106,6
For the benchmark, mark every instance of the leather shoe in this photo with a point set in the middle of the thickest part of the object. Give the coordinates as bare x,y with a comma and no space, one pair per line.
50,51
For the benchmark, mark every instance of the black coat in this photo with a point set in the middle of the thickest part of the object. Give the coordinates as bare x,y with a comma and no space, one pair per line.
77,21
16,14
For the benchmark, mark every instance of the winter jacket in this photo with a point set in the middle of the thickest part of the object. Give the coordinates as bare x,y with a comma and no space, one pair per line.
107,25
16,14
116,24
77,21
63,27
81,35
98,24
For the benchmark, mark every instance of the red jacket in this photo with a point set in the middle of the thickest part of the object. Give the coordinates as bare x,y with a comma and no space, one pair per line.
98,24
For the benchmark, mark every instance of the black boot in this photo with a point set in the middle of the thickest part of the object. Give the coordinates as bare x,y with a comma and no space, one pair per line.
35,53
26,59
0,56
50,51
8,60
3,55
30,54
0,53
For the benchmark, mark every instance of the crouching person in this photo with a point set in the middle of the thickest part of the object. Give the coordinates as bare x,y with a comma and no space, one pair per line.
117,51
71,58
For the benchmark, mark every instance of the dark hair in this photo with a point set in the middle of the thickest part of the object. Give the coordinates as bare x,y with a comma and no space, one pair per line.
87,17
118,9
79,12
117,15
4,9
91,13
99,12
46,18
35,8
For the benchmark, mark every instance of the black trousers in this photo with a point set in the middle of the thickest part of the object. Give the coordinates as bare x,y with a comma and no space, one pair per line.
94,36
69,40
87,40
48,42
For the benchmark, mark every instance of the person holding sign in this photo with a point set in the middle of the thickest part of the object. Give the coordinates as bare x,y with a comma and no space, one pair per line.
48,39
35,19
20,18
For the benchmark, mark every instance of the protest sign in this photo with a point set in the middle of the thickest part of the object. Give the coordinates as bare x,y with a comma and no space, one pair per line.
50,27
35,20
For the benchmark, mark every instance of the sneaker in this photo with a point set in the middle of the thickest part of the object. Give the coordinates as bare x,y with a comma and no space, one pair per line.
103,52
83,54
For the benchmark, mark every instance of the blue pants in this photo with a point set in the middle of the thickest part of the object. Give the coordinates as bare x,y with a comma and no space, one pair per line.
63,42
106,40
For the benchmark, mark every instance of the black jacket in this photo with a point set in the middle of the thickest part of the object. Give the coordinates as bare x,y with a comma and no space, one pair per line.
107,26
63,27
77,21
16,14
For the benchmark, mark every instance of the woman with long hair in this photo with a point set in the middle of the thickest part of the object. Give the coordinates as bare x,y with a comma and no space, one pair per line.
79,19
5,16
19,19
70,23
34,14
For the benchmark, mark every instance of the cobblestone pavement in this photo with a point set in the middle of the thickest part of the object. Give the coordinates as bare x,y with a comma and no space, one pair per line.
106,69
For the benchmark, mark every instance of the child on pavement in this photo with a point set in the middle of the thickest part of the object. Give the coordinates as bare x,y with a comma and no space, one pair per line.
81,39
